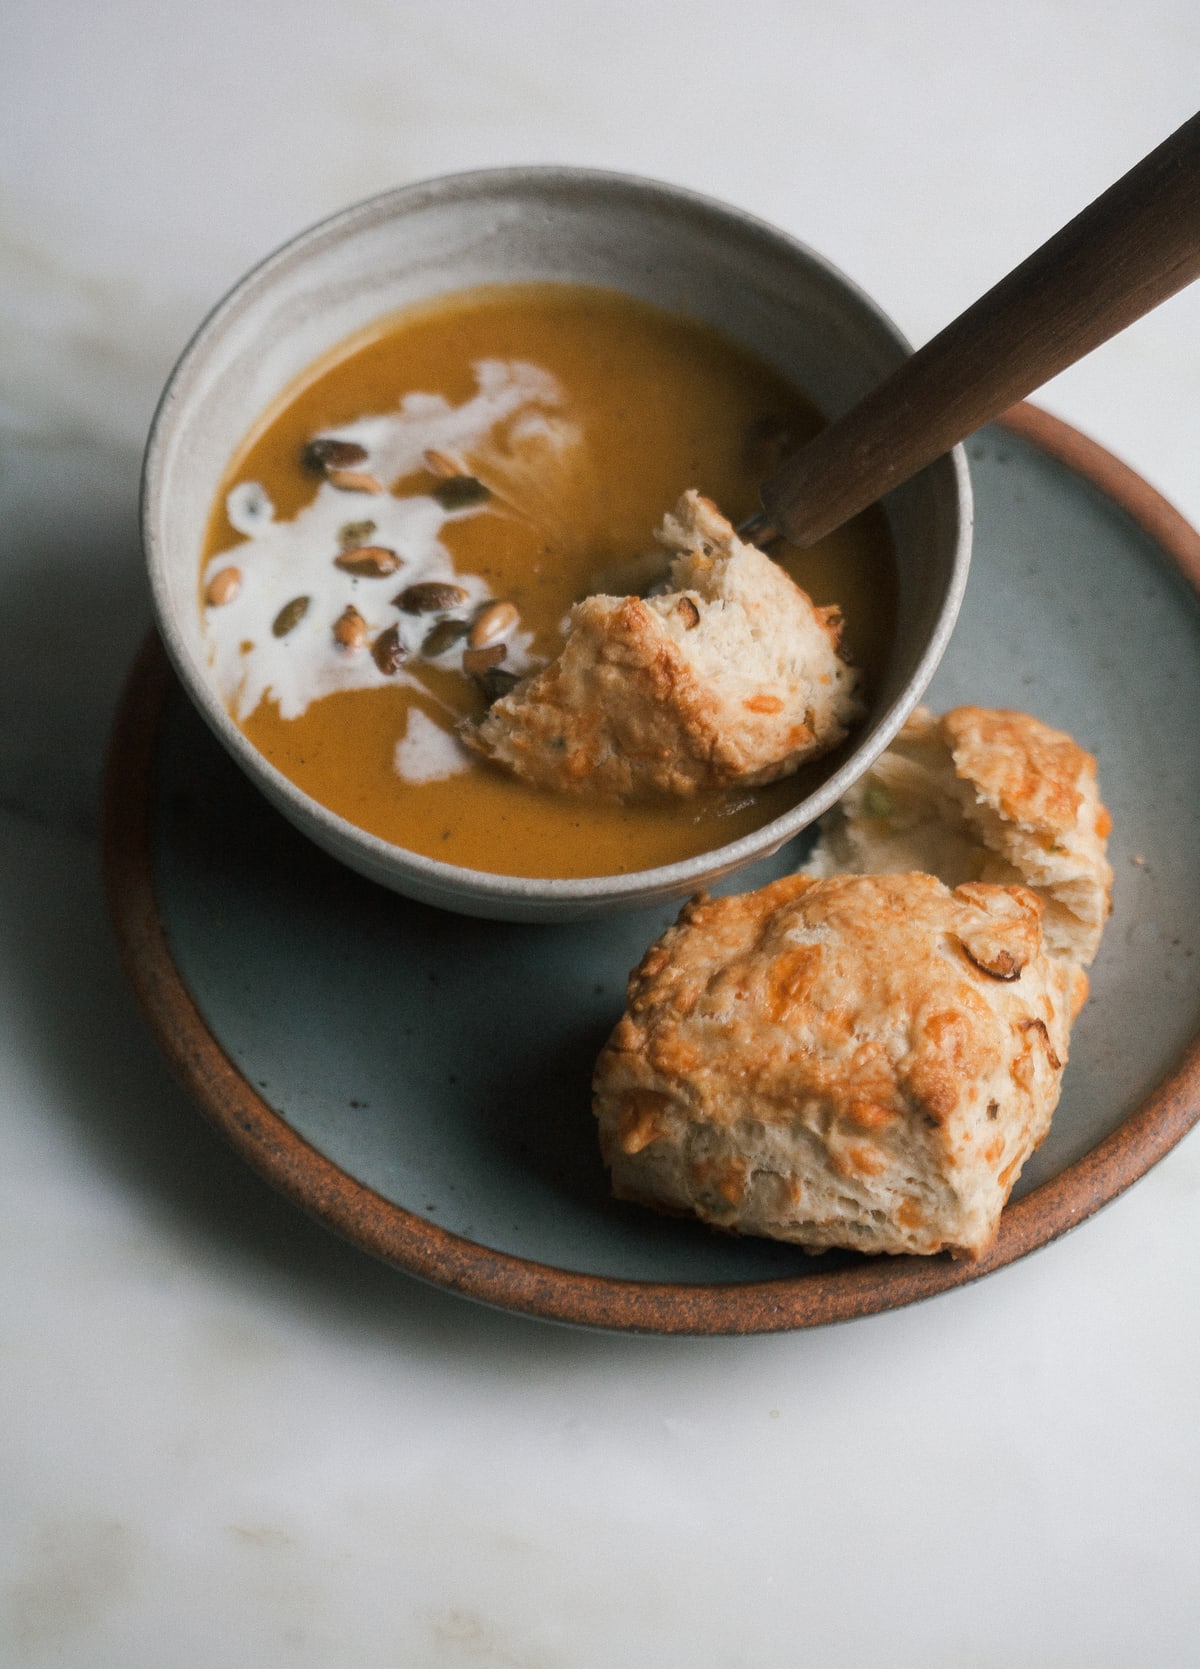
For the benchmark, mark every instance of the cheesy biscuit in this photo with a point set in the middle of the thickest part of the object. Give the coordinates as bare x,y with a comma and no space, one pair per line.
732,678
859,1061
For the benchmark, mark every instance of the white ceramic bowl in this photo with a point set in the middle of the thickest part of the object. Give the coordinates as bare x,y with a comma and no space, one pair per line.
653,241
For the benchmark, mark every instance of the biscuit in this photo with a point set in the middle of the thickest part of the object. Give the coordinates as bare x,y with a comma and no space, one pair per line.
859,1061
732,677
983,794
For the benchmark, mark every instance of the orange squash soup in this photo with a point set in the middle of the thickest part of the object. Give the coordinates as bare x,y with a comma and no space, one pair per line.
403,534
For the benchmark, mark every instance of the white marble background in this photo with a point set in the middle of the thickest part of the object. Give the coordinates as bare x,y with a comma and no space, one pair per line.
226,1439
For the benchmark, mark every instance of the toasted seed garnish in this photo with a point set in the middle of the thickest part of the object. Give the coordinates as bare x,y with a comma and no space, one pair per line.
495,682
431,597
353,481
290,616
223,587
1001,964
444,464
352,534
388,651
476,662
369,561
350,629
877,802
687,611
492,622
1051,1052
443,636
460,491
325,453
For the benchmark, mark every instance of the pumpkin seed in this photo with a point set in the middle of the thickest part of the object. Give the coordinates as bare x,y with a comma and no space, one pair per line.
325,453
492,622
352,534
388,651
350,629
495,682
290,616
458,492
368,561
443,636
476,662
431,597
223,587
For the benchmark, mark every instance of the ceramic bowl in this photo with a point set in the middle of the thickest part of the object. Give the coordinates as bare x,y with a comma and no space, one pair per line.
654,242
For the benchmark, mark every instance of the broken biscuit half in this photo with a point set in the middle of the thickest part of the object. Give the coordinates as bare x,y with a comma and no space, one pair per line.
983,794
731,678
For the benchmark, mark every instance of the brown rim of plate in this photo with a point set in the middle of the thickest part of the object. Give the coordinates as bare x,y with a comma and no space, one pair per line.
399,1237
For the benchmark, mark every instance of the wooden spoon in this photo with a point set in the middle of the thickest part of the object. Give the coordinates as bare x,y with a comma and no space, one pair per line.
1128,251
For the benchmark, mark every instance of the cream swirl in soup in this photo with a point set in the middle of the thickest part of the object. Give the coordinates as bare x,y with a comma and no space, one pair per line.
406,530
362,542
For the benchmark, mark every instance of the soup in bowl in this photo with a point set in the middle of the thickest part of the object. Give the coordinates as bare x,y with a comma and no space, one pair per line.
406,446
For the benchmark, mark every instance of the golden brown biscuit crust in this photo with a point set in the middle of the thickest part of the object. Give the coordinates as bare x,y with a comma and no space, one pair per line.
988,794
1026,771
861,1061
733,678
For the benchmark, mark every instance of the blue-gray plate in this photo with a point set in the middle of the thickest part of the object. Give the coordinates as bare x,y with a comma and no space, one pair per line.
420,1080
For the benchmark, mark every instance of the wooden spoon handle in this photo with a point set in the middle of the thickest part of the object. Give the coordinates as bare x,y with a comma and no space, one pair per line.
1128,251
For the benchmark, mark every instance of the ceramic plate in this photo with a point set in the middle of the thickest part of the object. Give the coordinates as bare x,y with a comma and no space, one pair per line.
420,1081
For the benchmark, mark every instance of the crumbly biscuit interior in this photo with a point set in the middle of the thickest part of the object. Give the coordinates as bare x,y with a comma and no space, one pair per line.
983,795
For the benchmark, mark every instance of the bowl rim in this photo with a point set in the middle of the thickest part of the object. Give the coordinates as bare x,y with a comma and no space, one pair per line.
453,885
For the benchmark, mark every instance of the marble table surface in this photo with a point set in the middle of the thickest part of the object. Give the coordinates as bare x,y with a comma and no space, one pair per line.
227,1438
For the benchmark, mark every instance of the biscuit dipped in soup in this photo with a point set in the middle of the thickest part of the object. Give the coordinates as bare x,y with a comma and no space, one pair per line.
397,547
